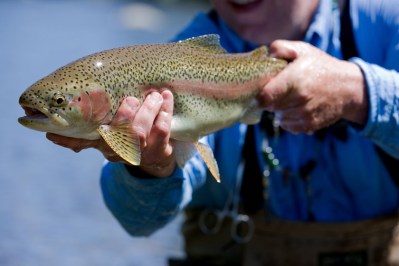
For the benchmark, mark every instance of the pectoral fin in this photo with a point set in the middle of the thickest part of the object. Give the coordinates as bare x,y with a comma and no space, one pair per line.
253,115
123,141
207,155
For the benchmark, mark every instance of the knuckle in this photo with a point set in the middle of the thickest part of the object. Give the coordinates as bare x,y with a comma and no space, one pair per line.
112,158
161,129
76,149
305,125
311,125
141,133
132,102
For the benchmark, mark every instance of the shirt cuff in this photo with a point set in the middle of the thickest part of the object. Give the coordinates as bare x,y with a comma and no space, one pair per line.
139,179
382,123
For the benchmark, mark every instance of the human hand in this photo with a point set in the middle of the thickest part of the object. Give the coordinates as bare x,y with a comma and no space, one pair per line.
314,90
151,121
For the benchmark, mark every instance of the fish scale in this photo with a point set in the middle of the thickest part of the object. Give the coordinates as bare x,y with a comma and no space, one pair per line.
212,90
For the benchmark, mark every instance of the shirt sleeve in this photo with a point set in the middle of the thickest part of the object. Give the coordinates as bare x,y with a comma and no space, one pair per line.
376,27
143,205
383,122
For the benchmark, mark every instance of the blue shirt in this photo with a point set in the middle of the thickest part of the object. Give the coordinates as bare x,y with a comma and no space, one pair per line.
349,181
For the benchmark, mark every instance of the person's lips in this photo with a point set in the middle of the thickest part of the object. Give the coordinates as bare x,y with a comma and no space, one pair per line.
245,5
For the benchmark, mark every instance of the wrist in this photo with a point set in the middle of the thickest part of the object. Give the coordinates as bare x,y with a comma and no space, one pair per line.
150,172
137,172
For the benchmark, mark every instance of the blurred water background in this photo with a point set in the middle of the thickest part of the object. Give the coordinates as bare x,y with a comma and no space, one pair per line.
51,208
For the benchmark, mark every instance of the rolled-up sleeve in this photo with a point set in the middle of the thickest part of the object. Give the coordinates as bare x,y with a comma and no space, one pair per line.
383,91
143,205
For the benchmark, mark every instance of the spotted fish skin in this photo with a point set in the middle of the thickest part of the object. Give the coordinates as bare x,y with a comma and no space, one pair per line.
212,90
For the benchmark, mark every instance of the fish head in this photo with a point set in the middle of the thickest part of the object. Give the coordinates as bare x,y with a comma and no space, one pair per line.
72,107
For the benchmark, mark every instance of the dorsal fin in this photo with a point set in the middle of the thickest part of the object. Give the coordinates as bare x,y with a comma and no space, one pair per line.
210,43
261,51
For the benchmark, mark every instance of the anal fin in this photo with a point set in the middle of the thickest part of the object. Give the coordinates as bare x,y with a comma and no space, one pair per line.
207,155
123,141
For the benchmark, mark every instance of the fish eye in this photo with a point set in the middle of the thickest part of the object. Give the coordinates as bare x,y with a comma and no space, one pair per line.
59,100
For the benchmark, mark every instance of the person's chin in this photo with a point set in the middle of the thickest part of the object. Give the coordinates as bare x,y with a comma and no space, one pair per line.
247,12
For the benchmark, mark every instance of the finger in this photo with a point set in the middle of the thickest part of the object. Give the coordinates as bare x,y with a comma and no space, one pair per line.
291,102
296,127
293,121
160,133
71,143
288,50
292,126
274,91
146,115
127,111
296,120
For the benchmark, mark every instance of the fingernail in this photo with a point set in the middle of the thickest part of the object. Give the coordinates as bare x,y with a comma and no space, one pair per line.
155,97
132,103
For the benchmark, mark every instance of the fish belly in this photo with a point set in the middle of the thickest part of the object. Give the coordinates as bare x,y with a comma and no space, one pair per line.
195,122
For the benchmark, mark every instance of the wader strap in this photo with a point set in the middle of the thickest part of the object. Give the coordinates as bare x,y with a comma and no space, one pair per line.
348,45
252,184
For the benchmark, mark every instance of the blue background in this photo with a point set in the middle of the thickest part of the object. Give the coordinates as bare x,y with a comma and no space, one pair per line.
51,208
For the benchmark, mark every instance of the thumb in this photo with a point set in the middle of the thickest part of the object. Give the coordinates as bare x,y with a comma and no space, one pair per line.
272,93
284,49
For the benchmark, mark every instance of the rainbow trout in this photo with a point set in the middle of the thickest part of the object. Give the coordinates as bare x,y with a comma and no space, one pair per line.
212,90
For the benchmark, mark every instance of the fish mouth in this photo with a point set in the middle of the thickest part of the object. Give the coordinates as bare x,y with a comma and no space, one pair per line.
41,119
34,114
